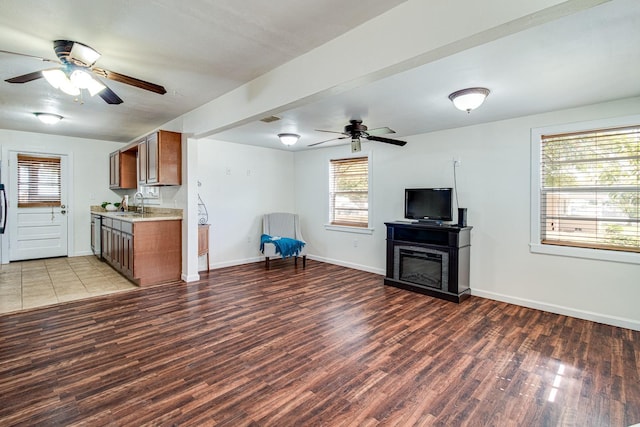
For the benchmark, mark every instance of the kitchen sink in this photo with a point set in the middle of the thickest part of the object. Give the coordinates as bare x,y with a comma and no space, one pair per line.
127,214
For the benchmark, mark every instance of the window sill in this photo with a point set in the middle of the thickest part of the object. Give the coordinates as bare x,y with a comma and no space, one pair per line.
597,254
347,229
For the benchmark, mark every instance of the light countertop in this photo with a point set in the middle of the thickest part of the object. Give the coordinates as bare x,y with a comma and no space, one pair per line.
150,214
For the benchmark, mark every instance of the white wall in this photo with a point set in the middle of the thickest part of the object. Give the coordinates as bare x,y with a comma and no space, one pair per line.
493,183
240,183
90,178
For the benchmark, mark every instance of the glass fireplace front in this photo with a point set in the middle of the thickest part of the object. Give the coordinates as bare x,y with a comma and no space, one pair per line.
422,266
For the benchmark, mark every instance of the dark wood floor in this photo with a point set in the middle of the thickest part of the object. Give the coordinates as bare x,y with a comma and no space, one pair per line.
324,345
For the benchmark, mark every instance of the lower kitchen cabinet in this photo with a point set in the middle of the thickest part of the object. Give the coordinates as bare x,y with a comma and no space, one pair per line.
146,252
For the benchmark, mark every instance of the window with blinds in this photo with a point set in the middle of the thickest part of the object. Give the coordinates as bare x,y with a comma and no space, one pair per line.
38,181
349,192
590,189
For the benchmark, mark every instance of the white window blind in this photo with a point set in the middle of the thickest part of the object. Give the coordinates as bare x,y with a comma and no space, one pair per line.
349,192
38,181
590,189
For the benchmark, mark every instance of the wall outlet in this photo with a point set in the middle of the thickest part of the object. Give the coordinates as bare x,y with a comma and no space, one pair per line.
355,243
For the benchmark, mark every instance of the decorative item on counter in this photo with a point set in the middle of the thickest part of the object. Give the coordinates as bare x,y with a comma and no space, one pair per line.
203,215
110,207
125,203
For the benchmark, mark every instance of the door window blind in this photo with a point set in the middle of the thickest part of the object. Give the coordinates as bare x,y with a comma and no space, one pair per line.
38,181
590,189
349,192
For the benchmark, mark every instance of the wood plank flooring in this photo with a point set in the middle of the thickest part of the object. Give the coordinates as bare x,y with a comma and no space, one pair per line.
325,345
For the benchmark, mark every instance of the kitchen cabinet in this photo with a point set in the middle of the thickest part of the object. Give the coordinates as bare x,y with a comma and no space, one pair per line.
146,252
107,244
160,159
122,170
126,249
142,161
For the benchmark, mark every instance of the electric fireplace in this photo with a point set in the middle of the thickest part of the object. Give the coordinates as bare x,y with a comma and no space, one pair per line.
430,259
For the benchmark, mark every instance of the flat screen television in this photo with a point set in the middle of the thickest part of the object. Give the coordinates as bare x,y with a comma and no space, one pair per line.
428,204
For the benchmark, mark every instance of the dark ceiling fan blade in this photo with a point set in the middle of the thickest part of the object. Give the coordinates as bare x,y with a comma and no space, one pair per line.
387,140
30,56
380,131
129,80
26,77
110,96
327,140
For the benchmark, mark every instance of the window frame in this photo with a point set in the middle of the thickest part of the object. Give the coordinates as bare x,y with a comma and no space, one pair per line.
536,245
368,229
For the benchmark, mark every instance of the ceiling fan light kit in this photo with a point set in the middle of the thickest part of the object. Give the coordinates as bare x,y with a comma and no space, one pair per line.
288,139
59,80
356,146
48,118
469,99
83,80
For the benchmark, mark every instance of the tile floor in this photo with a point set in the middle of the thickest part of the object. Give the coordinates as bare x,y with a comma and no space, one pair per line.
29,284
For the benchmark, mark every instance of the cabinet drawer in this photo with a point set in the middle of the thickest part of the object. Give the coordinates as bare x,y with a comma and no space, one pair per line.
127,227
107,222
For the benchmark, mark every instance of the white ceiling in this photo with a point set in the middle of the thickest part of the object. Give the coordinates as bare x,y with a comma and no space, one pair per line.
588,57
200,50
197,50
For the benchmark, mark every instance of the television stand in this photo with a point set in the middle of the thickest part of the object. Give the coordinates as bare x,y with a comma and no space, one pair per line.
429,258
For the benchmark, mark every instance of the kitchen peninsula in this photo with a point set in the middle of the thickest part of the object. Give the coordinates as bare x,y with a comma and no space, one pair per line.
145,248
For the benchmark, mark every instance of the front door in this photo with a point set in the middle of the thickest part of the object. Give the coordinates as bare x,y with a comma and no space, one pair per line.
38,207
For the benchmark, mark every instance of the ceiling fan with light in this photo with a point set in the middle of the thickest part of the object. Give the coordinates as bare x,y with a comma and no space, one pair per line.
77,72
357,131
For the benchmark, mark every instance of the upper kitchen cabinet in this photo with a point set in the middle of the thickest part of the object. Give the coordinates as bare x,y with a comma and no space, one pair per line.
122,170
160,159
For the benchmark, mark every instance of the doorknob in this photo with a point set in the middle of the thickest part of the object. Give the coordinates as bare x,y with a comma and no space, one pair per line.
63,212
62,206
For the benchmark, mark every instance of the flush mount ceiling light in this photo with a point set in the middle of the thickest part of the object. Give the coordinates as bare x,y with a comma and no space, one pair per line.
48,118
469,99
288,138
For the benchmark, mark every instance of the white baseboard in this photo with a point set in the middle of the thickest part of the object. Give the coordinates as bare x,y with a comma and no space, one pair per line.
81,253
348,264
558,309
189,277
235,262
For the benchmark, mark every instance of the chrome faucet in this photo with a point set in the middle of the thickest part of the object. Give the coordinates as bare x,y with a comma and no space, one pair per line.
141,205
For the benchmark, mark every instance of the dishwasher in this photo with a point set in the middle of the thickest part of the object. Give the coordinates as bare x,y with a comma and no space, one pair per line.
96,235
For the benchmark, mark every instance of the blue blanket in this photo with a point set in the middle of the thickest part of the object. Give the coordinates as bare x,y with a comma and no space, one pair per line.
284,246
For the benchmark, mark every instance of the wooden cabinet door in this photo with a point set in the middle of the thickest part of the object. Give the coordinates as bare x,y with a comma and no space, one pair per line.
142,162
106,244
116,260
114,170
127,255
152,158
